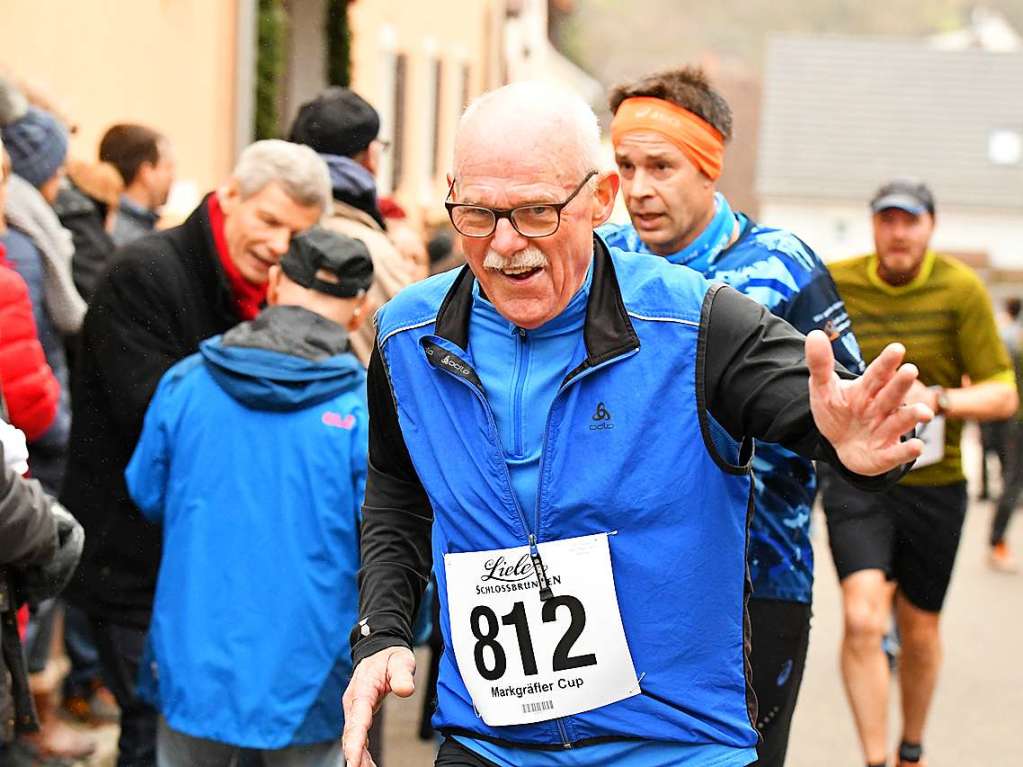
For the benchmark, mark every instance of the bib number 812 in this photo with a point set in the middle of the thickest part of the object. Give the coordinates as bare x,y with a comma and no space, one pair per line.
485,627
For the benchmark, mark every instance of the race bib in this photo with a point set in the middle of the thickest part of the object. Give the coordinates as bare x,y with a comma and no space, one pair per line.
933,436
525,659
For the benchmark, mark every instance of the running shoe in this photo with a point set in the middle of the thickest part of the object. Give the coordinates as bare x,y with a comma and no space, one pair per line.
1001,560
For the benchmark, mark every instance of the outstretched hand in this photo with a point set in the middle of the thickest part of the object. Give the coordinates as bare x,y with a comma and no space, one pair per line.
390,670
864,419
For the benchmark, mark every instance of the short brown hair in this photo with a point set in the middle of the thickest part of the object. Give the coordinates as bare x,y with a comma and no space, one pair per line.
687,87
126,146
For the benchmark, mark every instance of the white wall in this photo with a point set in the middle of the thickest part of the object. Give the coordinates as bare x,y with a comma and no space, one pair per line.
839,230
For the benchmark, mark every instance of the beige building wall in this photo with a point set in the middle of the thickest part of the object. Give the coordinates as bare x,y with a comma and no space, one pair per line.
169,64
465,37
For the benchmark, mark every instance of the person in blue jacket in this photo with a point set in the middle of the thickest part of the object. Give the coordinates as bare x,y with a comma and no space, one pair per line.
253,458
669,136
560,433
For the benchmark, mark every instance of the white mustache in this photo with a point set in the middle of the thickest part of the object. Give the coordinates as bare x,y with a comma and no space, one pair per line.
530,257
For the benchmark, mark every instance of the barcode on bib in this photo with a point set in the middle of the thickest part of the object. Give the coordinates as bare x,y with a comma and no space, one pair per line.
532,708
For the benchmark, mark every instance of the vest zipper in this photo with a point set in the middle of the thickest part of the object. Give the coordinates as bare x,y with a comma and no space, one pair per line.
565,742
530,536
518,383
547,428
534,551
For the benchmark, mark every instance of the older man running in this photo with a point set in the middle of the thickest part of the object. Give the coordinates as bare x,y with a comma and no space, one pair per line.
562,433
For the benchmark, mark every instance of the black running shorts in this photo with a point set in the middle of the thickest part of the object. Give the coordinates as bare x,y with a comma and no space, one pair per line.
454,754
911,533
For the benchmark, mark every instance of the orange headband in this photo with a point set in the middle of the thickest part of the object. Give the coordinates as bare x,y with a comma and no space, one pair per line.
698,139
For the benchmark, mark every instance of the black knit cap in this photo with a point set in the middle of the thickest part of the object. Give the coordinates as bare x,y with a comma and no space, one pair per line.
321,250
338,121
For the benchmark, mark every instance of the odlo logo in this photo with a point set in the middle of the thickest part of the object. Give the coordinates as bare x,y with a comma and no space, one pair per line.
601,418
450,362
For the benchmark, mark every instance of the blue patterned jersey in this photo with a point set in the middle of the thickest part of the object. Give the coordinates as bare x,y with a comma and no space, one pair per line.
780,272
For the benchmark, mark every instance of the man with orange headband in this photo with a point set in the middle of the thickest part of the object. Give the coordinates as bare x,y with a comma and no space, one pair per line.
669,134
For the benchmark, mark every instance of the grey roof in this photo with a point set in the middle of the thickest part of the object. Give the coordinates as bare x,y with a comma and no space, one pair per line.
842,115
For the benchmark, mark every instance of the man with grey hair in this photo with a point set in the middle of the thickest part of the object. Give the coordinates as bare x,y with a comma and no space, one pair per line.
561,433
162,295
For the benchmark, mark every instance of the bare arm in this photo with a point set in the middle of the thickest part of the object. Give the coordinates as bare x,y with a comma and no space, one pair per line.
984,401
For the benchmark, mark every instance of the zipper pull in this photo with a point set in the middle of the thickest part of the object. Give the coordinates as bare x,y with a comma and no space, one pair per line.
541,571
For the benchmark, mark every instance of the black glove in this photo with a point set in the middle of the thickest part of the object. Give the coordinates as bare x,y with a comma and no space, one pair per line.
40,582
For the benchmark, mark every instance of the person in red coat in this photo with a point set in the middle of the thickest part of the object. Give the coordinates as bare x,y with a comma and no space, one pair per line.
28,384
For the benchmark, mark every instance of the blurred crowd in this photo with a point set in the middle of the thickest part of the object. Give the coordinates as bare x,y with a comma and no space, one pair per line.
84,343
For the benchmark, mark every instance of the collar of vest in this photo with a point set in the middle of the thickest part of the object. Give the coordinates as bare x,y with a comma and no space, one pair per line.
607,332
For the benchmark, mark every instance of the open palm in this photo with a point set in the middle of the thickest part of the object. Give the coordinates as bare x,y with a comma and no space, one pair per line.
864,419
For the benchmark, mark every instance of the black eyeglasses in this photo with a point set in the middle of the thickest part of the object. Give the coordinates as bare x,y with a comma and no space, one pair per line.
533,220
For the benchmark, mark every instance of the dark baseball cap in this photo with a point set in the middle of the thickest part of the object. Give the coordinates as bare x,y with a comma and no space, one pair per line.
318,251
338,121
905,194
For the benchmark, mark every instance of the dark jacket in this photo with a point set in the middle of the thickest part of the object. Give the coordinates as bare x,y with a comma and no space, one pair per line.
83,216
162,295
28,535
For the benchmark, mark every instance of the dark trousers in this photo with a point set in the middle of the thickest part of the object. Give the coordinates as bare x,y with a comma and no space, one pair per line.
120,651
780,638
81,651
1013,472
994,438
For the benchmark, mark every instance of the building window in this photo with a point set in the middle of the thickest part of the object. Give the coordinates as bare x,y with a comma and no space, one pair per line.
430,124
438,96
466,85
384,102
1005,147
398,131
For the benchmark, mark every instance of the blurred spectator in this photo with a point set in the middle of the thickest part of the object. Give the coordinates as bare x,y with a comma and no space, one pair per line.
163,295
40,544
278,403
145,161
26,380
406,238
343,128
1009,443
37,145
83,205
442,252
87,207
994,435
41,251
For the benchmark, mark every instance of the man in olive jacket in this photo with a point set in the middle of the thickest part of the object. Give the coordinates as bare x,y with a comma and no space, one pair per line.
163,295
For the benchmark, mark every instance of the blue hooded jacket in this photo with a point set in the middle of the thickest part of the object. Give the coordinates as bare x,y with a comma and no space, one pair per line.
253,457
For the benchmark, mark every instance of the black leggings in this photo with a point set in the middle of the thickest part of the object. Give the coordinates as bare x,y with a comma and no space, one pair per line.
1013,473
780,636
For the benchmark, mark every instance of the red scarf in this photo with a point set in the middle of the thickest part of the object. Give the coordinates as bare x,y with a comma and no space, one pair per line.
247,296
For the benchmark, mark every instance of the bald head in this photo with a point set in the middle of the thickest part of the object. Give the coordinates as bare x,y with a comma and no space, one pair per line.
530,122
